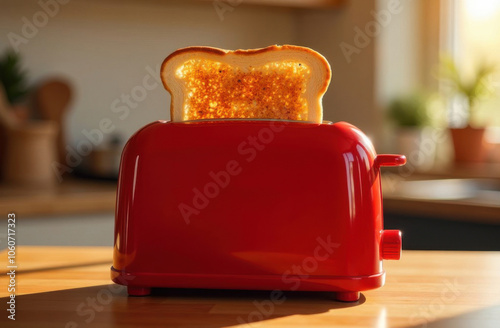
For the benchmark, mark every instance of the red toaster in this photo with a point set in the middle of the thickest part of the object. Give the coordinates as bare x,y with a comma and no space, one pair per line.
252,204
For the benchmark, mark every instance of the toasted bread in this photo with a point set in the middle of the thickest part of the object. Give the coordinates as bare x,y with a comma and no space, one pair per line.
277,82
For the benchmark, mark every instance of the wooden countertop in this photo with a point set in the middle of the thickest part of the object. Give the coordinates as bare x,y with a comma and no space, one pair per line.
467,210
70,287
72,196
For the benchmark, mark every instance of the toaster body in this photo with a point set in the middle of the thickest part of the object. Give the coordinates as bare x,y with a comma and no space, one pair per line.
268,205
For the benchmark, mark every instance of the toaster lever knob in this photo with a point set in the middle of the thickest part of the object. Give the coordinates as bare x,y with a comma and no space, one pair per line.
390,245
390,160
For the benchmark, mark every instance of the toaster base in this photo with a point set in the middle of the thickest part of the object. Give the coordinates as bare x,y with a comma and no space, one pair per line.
346,288
339,296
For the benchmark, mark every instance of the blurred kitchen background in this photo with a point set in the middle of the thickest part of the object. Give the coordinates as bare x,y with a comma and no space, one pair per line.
419,77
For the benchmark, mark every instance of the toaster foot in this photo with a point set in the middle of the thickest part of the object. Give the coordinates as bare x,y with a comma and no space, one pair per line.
138,291
347,296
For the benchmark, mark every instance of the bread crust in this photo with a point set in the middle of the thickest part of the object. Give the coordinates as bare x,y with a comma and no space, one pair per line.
198,50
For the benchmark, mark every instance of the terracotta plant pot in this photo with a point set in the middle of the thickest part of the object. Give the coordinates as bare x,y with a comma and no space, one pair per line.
468,144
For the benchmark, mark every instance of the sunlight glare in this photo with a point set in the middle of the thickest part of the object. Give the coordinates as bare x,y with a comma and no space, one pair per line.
481,9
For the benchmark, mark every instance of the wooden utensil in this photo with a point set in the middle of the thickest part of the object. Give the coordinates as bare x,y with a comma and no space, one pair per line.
52,100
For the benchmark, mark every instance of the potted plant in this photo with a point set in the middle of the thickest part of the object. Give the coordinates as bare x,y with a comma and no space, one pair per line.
27,148
468,138
410,114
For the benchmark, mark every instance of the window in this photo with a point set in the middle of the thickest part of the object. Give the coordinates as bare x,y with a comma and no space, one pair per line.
470,33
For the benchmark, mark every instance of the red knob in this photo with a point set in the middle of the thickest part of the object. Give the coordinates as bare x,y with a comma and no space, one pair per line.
390,160
390,245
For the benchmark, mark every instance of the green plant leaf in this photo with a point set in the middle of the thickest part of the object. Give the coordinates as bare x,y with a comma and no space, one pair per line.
410,110
475,89
12,76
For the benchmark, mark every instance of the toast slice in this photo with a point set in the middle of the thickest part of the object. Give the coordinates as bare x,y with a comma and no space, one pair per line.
278,82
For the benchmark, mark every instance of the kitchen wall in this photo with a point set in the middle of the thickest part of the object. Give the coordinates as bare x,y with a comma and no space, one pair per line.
399,65
375,48
110,50
336,35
